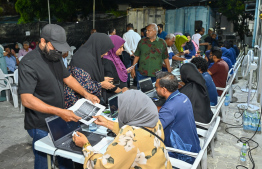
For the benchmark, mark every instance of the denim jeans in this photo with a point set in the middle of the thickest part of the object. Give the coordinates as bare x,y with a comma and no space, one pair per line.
141,77
40,157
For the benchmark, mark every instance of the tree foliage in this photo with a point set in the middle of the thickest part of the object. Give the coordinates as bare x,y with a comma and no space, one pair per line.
234,10
62,10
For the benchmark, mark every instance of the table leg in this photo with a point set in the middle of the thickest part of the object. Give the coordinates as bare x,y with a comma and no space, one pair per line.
49,161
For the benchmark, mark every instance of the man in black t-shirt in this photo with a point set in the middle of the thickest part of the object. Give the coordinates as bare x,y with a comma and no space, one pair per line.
42,75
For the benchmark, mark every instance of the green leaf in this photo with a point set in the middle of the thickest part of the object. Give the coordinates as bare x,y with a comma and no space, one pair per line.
95,161
114,144
148,157
110,160
154,151
137,167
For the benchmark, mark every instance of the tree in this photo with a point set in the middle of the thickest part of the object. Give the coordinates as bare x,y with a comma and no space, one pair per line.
234,10
62,10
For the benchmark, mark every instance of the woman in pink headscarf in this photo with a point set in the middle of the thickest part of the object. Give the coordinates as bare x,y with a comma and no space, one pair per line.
115,68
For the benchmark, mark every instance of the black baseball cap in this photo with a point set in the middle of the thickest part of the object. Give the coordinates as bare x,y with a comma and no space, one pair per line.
56,35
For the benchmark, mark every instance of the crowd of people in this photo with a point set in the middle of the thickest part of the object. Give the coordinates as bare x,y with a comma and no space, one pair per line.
102,67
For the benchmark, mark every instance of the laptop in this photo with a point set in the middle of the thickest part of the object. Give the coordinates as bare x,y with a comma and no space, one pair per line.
61,134
147,87
113,105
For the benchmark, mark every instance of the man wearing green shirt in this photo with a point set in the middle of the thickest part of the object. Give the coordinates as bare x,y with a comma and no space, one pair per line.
151,52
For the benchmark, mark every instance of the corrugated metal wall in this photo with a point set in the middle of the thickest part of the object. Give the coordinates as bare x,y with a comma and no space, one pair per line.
140,17
183,19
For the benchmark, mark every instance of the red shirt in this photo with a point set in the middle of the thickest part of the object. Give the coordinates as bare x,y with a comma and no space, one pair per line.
219,74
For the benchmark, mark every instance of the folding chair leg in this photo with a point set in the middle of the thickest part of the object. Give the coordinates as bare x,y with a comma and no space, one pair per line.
212,144
204,160
7,93
22,108
15,98
223,111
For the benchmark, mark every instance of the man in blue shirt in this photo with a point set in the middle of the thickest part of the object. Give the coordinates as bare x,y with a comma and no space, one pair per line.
202,67
161,34
11,60
177,117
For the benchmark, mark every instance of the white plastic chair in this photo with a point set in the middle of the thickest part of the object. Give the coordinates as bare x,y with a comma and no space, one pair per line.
5,85
201,157
202,132
15,88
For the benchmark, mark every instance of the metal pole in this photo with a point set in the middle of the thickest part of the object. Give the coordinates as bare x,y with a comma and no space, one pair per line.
48,6
94,12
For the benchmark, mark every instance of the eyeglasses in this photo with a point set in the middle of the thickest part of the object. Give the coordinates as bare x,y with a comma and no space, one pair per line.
149,30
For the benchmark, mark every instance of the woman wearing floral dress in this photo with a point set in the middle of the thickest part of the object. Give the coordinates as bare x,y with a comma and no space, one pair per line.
87,68
133,146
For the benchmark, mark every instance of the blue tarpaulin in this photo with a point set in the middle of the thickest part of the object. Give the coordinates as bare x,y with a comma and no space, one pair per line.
183,19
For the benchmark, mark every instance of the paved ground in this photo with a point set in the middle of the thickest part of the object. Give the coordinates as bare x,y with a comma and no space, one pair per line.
16,152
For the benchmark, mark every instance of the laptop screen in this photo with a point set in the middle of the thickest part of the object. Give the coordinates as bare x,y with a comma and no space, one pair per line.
146,85
59,128
113,104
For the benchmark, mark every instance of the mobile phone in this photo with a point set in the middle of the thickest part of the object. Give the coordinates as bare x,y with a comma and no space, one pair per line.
155,99
157,72
133,66
116,82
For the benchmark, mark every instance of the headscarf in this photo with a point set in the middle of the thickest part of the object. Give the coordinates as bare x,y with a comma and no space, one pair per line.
196,38
180,40
178,33
189,45
226,53
120,67
195,89
88,56
236,49
136,109
32,45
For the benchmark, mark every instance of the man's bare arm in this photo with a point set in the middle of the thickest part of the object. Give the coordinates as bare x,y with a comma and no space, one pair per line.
32,102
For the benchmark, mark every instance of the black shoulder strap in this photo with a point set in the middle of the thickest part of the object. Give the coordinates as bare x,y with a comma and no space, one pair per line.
153,134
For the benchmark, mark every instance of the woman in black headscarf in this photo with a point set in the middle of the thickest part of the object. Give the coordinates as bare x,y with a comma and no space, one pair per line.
195,89
86,66
189,46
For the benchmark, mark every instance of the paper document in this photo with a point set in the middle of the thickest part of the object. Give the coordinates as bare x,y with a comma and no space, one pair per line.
86,109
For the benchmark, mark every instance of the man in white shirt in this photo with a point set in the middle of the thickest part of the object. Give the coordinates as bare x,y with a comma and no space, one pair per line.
170,38
132,38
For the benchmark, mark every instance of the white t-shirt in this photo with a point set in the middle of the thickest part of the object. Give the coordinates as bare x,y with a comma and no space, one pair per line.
132,38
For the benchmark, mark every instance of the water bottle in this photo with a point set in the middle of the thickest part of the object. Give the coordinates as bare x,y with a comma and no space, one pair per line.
245,124
249,120
258,121
92,127
227,100
253,121
243,153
